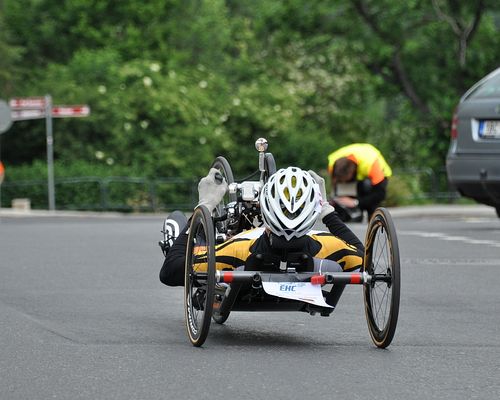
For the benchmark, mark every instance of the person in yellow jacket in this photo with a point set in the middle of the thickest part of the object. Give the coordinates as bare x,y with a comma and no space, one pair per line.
362,165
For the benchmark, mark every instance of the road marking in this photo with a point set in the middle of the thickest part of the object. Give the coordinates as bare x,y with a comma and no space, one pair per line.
451,261
443,236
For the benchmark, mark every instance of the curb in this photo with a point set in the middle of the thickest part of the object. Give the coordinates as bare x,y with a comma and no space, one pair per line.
448,210
12,213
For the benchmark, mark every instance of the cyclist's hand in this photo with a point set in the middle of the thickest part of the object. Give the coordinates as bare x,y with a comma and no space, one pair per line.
321,183
211,189
326,208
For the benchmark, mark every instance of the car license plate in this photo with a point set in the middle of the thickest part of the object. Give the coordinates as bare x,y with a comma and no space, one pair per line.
489,129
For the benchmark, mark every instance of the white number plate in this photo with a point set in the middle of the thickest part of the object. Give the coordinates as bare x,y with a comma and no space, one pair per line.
489,129
302,291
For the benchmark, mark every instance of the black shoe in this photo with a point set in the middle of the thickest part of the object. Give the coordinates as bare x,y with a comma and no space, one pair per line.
170,232
164,246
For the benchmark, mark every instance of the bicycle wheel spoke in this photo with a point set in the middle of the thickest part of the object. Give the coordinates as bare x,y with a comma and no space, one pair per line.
380,306
376,307
381,253
381,294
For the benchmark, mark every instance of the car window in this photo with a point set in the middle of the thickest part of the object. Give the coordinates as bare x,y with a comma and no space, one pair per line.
490,88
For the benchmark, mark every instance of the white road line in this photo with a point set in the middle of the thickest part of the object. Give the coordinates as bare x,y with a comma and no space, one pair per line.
443,236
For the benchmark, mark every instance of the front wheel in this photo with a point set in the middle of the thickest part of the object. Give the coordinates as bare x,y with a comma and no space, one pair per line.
199,283
382,263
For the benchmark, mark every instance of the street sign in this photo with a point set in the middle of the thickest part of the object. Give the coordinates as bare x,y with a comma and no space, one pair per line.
38,108
22,115
5,117
24,103
70,111
57,112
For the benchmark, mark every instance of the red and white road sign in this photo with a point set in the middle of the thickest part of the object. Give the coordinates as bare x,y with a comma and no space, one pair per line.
27,103
57,112
22,115
70,111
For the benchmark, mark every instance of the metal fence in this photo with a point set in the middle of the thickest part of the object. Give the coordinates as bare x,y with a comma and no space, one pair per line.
110,193
410,185
425,184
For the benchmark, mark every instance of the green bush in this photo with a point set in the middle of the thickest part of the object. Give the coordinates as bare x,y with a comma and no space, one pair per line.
398,192
81,185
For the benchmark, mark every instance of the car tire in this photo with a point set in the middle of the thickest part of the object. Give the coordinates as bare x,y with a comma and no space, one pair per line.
498,211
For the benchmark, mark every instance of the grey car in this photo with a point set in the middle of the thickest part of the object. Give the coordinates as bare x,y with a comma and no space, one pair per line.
473,160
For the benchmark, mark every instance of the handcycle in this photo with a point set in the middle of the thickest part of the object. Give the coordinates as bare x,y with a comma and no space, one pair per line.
280,286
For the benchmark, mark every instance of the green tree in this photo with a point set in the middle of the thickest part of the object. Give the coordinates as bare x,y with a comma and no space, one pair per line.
9,59
174,83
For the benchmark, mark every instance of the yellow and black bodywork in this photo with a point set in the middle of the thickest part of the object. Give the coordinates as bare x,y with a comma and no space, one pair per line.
236,251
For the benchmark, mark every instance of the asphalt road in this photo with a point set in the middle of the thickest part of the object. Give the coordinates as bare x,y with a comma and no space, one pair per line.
83,316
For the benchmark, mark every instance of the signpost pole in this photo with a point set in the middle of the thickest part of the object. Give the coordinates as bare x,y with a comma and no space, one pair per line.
50,153
0,177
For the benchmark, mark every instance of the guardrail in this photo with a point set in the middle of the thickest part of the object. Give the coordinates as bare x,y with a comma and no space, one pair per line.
141,194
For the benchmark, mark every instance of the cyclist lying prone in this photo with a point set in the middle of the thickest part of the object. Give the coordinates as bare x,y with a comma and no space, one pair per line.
291,202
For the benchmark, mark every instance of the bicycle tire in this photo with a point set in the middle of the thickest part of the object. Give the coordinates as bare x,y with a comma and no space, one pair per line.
221,164
220,318
269,165
200,250
382,259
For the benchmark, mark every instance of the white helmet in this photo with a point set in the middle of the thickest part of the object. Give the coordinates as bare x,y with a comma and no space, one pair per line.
290,202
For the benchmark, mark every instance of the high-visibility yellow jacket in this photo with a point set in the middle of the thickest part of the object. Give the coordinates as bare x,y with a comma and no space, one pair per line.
371,164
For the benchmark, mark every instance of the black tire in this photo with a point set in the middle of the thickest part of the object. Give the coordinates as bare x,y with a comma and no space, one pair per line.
219,318
222,165
224,168
382,262
498,211
200,250
269,165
